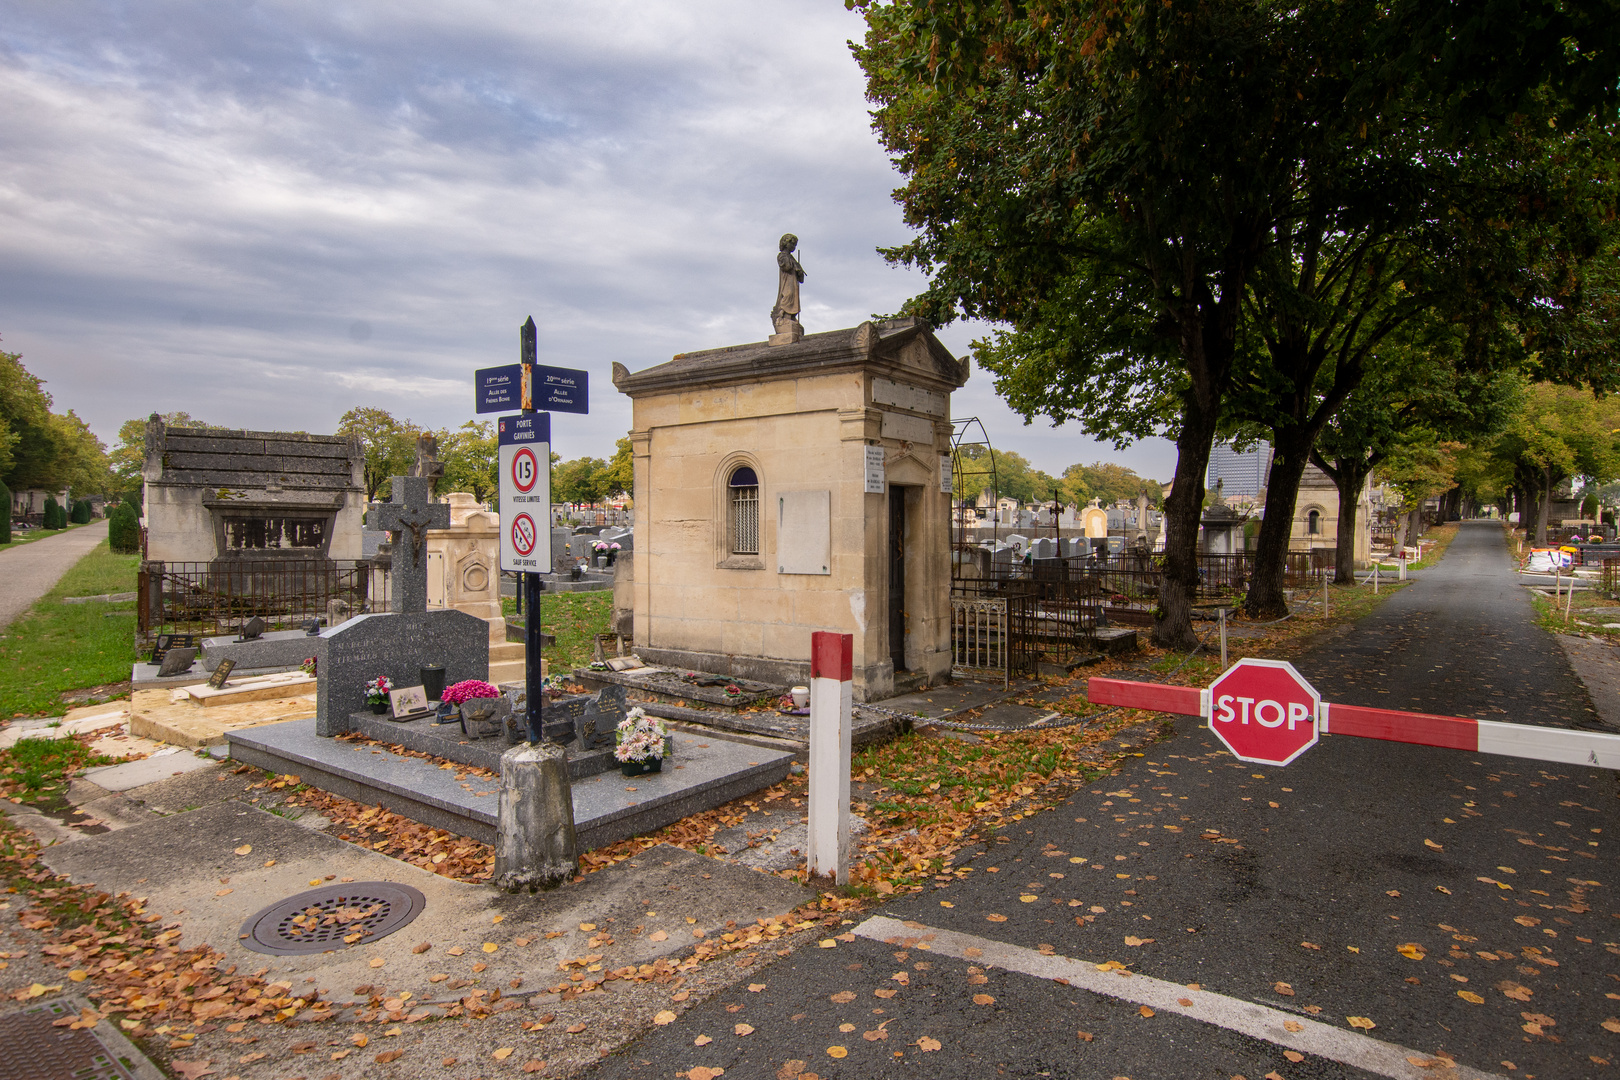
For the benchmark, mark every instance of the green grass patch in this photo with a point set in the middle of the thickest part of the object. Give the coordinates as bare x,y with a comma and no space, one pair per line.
39,770
54,647
576,618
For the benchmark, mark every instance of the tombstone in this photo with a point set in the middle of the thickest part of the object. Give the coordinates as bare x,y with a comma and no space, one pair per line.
409,516
1003,559
1070,547
1094,521
1018,543
1044,547
1141,516
176,662
1067,519
595,718
1115,545
618,534
562,555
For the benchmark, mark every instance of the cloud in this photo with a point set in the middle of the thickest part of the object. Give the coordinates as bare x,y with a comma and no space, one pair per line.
267,213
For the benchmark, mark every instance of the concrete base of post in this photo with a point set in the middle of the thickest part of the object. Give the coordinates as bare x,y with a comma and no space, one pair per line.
535,847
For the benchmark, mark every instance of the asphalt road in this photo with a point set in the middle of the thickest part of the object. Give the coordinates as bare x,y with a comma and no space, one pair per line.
28,572
1285,895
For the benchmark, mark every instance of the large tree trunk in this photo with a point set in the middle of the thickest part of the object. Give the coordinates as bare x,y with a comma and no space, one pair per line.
1172,625
1543,502
1349,476
1266,599
1398,541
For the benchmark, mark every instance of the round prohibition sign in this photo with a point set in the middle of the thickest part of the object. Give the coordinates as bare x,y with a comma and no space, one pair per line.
523,534
525,471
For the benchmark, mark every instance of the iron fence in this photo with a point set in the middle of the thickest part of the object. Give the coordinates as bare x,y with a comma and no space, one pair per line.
217,597
979,639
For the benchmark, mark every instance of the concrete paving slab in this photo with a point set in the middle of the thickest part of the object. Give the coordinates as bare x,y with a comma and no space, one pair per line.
170,761
187,867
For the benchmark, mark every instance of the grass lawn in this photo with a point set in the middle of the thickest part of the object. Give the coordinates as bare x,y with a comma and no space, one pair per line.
54,647
576,618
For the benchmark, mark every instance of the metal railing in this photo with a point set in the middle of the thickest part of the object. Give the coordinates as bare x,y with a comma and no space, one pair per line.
979,642
218,596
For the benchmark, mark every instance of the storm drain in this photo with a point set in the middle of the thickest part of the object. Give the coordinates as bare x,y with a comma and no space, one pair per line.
333,917
35,1049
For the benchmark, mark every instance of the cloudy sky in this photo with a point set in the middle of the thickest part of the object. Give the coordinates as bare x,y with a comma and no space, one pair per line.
265,214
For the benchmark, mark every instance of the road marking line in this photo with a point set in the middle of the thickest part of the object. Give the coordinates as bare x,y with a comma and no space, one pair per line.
1233,1014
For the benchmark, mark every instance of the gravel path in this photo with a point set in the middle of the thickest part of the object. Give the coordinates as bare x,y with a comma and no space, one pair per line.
28,572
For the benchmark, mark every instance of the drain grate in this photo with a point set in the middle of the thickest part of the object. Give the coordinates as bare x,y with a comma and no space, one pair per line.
333,917
37,1050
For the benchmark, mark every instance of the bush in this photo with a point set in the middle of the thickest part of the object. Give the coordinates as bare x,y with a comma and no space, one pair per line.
80,514
124,529
52,510
5,514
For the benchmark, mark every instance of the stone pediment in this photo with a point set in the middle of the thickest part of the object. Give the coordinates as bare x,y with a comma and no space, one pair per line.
905,347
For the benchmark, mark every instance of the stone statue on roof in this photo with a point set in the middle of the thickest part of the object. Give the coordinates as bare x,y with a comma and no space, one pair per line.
785,314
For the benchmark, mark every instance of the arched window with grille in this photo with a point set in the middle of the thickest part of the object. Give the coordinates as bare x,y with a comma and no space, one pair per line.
1313,523
742,511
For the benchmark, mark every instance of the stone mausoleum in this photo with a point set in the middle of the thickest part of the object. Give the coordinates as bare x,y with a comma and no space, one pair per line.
797,485
213,494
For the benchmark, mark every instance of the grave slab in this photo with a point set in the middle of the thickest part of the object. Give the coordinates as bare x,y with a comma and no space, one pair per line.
239,691
447,741
170,761
705,772
154,714
276,649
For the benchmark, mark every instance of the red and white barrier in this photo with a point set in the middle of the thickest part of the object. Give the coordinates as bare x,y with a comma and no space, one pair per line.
1561,745
832,669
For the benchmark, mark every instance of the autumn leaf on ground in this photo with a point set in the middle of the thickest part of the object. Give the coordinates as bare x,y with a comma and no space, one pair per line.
192,1070
743,1030
1293,1025
587,926
790,1069
455,950
1084,1036
754,988
1283,988
359,1040
245,849
1612,1024
1294,1055
1308,945
388,1055
927,1045
837,1051
1471,997
1412,950
422,948
575,1029
1361,1022
885,992
983,999
664,1017
533,1065
490,946
702,1040
1145,1011
503,1053
1515,991
1134,940
703,1072
996,918
1421,1062
378,961
843,997
658,935
1435,846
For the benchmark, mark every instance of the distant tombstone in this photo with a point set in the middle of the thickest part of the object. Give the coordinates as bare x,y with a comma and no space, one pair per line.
1094,521
618,534
1067,519
396,645
1003,556
1069,547
253,629
1044,547
1018,543
1116,545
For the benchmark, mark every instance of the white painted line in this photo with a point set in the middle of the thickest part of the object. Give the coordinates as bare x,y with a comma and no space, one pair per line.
1233,1014
1562,745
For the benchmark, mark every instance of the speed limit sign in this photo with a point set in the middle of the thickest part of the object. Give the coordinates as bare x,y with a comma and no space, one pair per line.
525,472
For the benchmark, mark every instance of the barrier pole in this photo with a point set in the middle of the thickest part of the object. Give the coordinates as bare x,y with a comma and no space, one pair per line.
831,702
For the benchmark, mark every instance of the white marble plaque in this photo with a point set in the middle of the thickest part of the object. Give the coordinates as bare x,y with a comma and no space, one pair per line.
876,474
804,532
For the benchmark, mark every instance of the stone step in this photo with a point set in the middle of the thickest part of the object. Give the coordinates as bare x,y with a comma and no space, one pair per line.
704,772
507,650
502,671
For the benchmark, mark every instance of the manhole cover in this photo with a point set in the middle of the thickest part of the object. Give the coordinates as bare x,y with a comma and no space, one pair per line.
35,1049
333,917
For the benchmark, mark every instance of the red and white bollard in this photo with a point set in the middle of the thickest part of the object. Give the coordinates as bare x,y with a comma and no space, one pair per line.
832,667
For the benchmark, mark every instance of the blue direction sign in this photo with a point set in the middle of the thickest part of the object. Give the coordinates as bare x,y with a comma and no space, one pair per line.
498,389
523,428
559,389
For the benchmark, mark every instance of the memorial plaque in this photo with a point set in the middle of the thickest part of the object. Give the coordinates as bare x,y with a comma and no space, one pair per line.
408,703
176,661
165,642
221,673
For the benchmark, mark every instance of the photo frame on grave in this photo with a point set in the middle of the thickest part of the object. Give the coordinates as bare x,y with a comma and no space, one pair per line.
216,681
408,703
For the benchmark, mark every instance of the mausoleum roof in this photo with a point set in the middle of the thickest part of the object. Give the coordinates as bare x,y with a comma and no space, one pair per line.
271,462
871,343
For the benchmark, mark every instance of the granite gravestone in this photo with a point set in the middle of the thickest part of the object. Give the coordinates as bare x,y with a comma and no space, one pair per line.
395,644
176,661
408,638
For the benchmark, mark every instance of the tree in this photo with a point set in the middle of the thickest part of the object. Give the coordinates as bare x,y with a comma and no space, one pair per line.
1554,433
1004,473
471,459
5,514
1122,185
389,446
81,512
621,472
582,480
1108,483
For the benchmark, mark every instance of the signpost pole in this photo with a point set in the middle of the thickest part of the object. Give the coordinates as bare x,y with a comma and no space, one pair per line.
533,669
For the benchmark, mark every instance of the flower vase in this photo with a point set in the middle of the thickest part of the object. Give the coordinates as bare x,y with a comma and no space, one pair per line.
641,768
379,707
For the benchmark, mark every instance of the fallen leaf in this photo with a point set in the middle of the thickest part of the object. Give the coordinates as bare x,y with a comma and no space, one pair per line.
1435,846
877,1035
388,1055
359,1040
575,1029
1612,1024
533,1065
927,1045
825,943
996,918
658,935
946,903
1294,1055
1084,1036
743,1029
1133,940
702,1040
1412,950
192,1070
884,992
224,892
1145,1011
1283,988
837,1052
664,1017
983,999
1471,997
704,1072
447,1062
754,988
1308,945
1442,888
503,1053
1293,1025
78,975
245,849
422,948
1361,1022
1185,1003
1029,898
490,946
1422,1062
378,961
587,926
843,997
790,1069
339,1055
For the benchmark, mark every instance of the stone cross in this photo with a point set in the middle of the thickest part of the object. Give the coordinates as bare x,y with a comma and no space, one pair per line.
411,513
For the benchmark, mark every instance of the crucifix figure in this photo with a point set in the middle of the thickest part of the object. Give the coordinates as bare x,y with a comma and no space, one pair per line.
411,511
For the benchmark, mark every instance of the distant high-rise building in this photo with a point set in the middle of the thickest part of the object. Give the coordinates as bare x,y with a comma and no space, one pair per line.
1242,475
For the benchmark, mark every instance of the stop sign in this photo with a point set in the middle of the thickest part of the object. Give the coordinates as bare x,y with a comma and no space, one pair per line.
1264,711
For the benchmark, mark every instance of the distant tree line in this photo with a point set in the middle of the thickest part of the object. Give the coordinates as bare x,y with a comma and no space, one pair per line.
45,450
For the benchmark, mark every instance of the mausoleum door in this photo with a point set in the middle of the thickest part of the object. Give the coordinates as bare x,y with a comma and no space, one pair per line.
897,576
